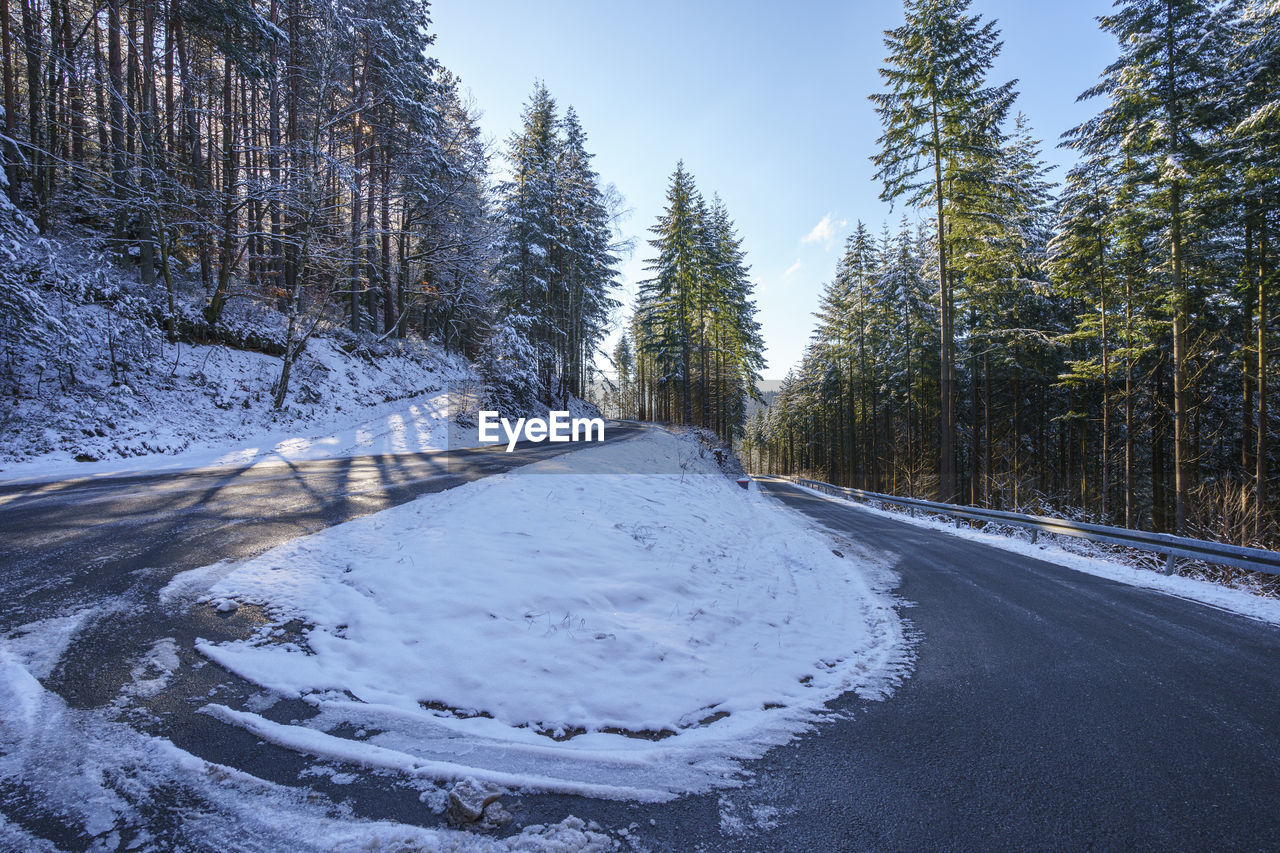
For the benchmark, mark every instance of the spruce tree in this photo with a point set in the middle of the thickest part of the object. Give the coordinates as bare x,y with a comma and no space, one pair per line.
667,301
530,253
697,338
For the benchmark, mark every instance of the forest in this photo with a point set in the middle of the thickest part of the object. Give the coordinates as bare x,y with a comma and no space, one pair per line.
1096,345
308,156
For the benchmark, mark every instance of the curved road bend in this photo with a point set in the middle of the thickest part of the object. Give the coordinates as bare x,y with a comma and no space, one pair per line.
1048,710
1051,708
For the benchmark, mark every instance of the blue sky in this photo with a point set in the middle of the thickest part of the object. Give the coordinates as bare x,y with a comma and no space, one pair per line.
766,103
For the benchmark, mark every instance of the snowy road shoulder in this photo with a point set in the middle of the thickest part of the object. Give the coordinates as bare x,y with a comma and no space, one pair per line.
208,419
624,635
1205,592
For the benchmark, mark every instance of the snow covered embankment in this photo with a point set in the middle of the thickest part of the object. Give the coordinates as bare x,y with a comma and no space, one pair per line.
566,627
93,385
210,406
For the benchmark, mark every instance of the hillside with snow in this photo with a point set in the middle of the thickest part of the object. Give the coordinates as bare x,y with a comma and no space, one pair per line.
101,387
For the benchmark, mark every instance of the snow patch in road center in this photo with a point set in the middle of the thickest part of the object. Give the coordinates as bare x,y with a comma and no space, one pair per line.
589,631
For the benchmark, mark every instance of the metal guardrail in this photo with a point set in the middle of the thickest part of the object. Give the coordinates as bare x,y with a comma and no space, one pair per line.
1173,547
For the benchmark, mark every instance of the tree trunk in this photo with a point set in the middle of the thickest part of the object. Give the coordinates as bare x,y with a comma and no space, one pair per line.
1105,473
119,177
10,107
35,108
986,428
199,173
1130,516
230,215
1248,354
75,96
946,408
149,158
1260,454
390,315
1180,483
975,436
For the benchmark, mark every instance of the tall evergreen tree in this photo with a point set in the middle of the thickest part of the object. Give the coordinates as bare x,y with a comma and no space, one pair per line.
555,255
667,301
697,337
940,144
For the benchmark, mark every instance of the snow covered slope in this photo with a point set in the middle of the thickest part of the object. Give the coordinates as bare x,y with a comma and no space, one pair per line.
571,626
98,387
211,405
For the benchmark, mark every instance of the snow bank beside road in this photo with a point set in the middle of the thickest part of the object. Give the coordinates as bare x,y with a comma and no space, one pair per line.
214,409
591,629
1205,592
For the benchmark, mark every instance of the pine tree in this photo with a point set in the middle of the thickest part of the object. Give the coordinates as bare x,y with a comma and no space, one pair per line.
447,212
527,271
732,345
1001,283
585,305
666,302
696,333
624,363
555,257
1249,89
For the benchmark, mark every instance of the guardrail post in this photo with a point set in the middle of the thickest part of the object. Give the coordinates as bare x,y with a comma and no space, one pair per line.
1035,534
1169,564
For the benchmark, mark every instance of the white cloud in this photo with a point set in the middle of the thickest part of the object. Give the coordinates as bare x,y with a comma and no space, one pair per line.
794,268
826,231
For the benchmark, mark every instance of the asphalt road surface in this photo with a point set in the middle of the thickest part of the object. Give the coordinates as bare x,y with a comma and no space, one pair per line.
1047,709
